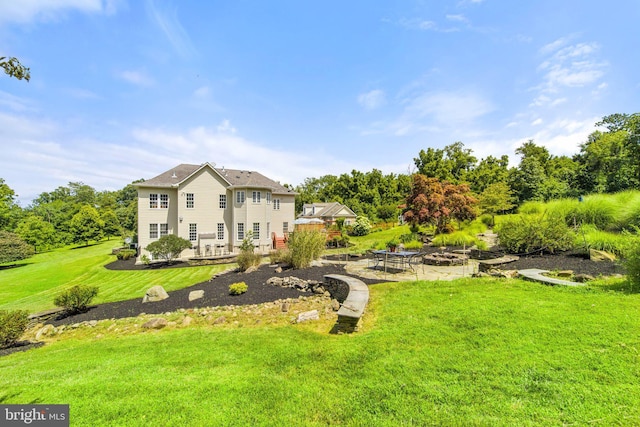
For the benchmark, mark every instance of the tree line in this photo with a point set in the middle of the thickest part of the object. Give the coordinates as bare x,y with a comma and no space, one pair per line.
608,161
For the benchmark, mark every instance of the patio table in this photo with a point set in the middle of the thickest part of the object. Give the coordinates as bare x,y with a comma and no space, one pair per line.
397,260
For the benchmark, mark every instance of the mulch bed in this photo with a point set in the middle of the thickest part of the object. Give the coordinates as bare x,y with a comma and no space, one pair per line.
577,262
216,293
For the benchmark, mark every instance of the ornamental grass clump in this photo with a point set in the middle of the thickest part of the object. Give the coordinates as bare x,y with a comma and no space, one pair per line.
525,234
305,246
76,299
238,288
12,325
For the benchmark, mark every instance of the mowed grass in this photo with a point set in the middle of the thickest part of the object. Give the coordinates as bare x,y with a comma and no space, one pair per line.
468,352
35,282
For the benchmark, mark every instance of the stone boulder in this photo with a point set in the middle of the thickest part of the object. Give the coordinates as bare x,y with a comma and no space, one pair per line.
156,323
308,315
194,295
596,255
155,293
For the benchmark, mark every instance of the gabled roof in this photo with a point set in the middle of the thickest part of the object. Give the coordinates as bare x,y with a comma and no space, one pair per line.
234,178
326,210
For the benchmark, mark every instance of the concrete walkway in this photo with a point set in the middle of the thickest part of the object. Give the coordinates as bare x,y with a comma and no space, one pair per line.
364,268
537,275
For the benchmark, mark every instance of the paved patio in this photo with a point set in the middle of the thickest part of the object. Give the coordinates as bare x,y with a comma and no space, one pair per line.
365,267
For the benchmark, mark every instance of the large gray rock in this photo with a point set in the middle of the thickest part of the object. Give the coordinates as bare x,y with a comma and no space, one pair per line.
155,293
308,315
156,323
596,255
193,295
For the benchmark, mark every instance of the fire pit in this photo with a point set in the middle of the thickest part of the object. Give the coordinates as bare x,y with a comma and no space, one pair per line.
445,258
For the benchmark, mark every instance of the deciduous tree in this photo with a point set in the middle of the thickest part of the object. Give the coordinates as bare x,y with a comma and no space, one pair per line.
14,68
13,248
437,203
496,198
36,232
86,225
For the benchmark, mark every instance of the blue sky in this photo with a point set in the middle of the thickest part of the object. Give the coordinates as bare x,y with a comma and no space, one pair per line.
122,90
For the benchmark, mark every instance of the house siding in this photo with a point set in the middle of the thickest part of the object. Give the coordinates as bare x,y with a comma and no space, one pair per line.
206,185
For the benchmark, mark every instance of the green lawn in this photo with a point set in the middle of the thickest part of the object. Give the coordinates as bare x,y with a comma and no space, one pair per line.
36,281
468,352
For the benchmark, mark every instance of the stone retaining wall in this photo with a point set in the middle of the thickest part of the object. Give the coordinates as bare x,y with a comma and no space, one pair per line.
352,304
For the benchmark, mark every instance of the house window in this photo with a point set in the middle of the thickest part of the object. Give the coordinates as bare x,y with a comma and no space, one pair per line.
190,200
240,197
256,197
193,232
268,229
276,204
153,231
153,201
256,231
223,201
164,229
285,227
240,231
164,201
268,198
220,231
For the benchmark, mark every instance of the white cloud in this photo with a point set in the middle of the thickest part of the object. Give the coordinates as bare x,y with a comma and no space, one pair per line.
573,65
537,122
372,99
168,22
25,11
42,156
450,108
564,136
139,78
457,18
202,92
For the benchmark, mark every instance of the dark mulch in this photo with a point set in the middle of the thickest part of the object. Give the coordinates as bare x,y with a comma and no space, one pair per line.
577,262
130,264
216,293
20,346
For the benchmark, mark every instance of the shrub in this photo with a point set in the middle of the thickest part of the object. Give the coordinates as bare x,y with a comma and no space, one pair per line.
535,233
305,246
238,288
458,238
13,248
278,256
531,208
591,237
77,298
168,247
362,226
631,261
126,254
12,326
487,220
145,259
247,258
413,245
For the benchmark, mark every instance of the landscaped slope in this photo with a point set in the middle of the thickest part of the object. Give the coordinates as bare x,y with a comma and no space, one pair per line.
33,283
468,352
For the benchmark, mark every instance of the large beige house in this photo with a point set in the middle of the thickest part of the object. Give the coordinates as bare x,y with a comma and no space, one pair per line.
213,208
